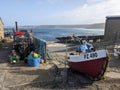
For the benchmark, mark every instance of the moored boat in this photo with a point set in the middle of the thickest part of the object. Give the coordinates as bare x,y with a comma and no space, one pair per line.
93,64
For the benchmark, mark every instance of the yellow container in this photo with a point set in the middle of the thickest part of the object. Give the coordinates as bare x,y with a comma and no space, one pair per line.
35,55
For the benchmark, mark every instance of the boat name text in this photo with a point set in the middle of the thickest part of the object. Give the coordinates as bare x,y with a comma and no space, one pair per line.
90,55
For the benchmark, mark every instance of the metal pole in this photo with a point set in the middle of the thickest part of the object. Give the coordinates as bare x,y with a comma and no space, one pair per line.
66,71
66,55
16,25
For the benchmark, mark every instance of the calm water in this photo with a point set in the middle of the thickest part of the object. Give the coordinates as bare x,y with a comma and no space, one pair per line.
50,34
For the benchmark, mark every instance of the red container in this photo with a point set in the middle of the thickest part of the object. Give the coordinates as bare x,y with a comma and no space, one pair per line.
19,33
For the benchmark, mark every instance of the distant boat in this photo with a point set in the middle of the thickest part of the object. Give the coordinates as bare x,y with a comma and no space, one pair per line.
93,64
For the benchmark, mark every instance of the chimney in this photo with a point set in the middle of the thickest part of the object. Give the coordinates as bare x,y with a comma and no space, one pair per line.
16,25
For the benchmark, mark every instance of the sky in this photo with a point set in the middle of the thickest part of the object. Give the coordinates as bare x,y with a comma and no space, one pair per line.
57,12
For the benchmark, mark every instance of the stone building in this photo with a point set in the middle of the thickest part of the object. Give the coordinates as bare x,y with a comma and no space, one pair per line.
1,30
112,28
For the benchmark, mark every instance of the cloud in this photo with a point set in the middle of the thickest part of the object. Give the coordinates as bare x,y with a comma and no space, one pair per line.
91,13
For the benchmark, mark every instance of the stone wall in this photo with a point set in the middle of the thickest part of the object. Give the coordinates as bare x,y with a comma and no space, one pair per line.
1,30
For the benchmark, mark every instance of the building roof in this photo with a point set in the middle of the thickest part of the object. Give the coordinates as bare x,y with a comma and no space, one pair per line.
113,17
1,21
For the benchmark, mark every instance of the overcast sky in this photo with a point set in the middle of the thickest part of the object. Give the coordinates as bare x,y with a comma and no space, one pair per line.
54,12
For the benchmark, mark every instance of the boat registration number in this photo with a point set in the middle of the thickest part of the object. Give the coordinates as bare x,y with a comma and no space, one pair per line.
90,55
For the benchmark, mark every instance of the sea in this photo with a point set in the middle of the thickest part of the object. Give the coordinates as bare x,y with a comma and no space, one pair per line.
50,34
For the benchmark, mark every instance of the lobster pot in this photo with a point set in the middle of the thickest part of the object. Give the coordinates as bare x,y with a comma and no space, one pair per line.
33,62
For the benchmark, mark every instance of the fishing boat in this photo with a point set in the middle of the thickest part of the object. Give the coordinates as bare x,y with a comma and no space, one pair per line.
93,63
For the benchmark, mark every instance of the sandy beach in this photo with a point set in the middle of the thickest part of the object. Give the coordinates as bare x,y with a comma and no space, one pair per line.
112,76
52,74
